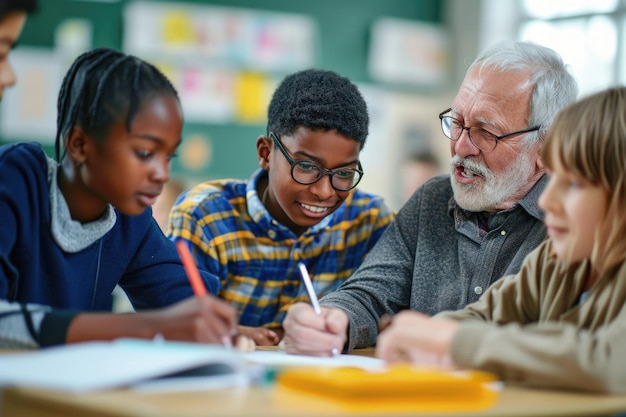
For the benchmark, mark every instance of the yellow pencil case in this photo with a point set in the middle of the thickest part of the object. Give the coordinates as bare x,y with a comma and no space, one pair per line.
396,388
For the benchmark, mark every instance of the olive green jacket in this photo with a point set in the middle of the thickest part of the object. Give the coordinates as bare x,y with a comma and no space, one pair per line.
531,327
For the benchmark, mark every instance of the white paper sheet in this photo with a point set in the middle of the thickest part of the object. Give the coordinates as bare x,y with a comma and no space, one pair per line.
103,365
282,359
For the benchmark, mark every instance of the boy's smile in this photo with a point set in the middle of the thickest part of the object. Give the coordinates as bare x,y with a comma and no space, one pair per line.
315,209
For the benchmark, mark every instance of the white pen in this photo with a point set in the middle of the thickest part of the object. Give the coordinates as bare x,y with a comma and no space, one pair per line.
308,285
306,278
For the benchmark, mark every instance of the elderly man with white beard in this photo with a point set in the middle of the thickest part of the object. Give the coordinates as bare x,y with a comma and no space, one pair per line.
458,233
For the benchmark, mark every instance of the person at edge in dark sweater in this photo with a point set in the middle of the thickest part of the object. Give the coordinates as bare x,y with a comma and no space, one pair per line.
13,14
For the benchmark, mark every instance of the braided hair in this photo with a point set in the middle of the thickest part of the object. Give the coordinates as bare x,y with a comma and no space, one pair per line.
319,100
102,87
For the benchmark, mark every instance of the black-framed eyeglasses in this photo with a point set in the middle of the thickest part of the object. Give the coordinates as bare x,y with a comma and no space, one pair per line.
305,171
481,138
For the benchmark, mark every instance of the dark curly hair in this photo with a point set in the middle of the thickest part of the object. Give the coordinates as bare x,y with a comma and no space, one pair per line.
319,100
104,86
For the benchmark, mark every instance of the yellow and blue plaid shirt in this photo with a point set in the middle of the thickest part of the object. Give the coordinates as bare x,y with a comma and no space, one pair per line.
232,235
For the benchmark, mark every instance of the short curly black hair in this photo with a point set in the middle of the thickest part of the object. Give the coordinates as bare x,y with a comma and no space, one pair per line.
319,100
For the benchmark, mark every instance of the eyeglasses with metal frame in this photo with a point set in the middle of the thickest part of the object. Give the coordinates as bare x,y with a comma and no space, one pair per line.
484,140
306,171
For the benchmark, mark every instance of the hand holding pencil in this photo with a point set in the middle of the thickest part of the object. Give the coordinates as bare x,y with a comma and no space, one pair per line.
311,329
202,318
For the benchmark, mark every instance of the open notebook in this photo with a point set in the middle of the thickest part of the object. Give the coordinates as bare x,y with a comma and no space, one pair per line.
151,366
143,364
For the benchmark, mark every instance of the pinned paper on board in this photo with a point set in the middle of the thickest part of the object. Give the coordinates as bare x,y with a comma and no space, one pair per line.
222,60
409,52
177,28
28,110
252,100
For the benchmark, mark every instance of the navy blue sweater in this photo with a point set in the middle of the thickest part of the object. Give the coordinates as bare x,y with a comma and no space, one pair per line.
34,269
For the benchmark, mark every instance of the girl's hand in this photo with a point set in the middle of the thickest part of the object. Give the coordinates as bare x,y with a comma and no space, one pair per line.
415,337
197,319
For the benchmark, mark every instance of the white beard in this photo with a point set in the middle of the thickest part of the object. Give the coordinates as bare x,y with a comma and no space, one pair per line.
488,194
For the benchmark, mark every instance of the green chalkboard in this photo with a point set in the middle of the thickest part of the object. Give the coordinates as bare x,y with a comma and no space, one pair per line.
344,30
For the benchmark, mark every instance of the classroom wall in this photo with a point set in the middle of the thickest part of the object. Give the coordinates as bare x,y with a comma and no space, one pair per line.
343,44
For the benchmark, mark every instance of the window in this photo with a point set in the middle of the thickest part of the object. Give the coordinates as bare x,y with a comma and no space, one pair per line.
590,35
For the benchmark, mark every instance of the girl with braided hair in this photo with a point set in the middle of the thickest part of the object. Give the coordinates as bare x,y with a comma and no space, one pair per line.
76,226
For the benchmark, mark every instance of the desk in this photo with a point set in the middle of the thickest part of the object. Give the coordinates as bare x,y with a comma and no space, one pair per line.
265,401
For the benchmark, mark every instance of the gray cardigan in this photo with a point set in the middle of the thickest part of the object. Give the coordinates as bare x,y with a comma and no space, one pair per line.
434,257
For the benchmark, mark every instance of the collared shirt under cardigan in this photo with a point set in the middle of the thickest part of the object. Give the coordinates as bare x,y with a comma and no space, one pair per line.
436,256
233,236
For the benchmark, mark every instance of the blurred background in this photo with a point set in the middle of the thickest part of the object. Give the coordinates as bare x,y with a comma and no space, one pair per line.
226,57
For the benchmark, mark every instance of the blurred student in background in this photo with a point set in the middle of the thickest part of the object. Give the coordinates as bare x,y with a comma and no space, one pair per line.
418,168
165,201
302,205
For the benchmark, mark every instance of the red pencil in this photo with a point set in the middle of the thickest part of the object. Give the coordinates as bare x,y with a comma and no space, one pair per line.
191,269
